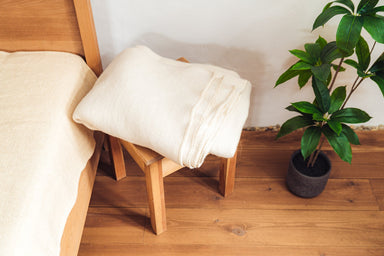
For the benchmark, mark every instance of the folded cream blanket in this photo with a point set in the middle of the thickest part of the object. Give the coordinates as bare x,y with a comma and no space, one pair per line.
181,110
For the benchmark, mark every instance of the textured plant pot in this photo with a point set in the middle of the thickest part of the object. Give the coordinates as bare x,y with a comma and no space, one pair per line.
307,186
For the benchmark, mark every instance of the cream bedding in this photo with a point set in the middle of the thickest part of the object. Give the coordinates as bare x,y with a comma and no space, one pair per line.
42,150
184,111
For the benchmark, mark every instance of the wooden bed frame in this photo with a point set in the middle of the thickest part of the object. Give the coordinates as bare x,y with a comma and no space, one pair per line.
57,25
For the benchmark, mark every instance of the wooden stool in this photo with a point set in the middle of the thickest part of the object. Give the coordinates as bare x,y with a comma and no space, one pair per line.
155,167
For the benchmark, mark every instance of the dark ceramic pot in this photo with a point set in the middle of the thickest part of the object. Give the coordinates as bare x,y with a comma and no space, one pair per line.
304,185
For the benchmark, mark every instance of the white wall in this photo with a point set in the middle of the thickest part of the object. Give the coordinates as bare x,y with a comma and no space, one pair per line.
251,37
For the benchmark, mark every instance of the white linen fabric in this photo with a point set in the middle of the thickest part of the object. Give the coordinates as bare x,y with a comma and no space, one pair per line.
183,111
42,150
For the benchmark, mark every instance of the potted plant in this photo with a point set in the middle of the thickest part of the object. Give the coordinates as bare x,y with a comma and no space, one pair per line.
327,117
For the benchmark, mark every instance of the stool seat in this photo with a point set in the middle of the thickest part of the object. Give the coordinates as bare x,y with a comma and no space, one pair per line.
144,157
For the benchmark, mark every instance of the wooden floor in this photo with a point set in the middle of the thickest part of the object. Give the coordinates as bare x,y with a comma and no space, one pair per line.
260,218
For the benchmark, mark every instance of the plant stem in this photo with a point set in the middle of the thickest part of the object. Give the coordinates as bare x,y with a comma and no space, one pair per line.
356,84
373,47
309,164
337,72
354,87
315,154
357,81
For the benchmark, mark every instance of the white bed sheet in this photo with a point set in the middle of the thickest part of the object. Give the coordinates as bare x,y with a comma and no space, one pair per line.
42,150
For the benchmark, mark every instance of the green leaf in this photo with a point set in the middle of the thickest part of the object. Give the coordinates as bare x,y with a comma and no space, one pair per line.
321,42
350,134
363,54
361,73
321,72
294,124
375,27
379,80
366,5
335,67
348,3
322,94
318,117
302,55
306,107
306,116
329,79
335,126
350,115
310,140
293,109
348,32
304,78
353,63
339,143
330,52
378,65
327,6
301,66
377,9
287,75
328,14
313,50
337,99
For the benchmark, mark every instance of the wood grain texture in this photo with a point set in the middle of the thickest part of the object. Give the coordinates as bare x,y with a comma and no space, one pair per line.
39,25
227,175
116,153
196,192
378,190
88,35
261,217
124,224
272,228
73,229
155,194
224,250
45,25
143,156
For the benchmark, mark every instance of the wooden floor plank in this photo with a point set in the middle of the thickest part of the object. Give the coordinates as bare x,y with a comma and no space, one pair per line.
261,217
343,194
128,192
263,163
263,156
196,192
250,140
378,190
109,226
223,250
295,228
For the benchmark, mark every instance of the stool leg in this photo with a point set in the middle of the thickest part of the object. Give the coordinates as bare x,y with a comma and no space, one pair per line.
117,157
155,191
227,175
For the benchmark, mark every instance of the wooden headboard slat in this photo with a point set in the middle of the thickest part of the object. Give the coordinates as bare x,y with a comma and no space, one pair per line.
50,25
39,25
88,35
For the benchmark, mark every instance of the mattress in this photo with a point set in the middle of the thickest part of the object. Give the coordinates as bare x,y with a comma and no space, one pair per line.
43,152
